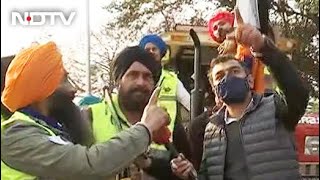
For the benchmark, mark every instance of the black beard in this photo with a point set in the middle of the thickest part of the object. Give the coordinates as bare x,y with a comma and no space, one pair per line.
67,113
135,100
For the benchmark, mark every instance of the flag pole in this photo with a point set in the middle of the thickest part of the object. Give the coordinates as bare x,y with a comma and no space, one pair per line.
88,75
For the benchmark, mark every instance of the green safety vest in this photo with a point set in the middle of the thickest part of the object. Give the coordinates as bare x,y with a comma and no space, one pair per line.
168,92
2,118
8,173
107,124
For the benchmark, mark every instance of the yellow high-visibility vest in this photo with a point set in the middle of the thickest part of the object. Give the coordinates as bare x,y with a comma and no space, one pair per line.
8,173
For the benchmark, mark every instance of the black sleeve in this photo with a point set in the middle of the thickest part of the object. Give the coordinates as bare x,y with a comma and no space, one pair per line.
160,165
196,134
180,140
291,108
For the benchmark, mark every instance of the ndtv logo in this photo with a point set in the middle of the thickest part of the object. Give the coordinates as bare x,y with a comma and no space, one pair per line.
41,18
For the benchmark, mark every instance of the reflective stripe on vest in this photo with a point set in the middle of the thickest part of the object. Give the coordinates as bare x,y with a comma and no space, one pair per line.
168,94
8,173
168,99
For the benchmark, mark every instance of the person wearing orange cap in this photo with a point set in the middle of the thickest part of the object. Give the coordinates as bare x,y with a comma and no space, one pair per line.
74,125
34,145
221,29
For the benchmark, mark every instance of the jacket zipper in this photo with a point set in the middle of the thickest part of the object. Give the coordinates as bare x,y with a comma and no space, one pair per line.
243,146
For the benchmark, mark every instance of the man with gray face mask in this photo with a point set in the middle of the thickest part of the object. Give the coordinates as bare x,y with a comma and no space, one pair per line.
251,136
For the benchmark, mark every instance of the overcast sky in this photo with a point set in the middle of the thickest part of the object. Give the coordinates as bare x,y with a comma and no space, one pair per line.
13,38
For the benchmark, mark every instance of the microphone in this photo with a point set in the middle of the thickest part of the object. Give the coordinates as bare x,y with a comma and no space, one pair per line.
164,138
170,147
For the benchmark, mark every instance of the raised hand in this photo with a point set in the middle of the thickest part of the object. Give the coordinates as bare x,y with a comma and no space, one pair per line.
154,117
247,35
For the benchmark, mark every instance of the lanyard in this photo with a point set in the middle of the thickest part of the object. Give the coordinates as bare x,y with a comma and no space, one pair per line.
115,120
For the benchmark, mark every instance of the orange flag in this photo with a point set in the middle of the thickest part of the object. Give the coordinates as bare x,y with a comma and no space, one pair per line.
244,54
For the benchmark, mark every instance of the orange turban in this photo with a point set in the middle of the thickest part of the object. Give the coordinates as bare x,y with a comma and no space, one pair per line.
33,75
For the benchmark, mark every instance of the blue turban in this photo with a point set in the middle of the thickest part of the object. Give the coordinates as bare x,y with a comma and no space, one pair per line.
89,100
156,40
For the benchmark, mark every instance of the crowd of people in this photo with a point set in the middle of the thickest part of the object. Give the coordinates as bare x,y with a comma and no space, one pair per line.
128,134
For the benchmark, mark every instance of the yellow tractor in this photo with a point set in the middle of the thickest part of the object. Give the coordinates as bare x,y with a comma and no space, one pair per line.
184,57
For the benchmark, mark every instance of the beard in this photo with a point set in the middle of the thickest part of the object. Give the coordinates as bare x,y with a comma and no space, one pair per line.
156,57
135,99
61,108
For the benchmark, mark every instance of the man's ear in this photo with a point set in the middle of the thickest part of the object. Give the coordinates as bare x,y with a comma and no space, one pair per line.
214,90
250,81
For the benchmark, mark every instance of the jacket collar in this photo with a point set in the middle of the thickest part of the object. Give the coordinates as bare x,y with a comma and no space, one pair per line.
48,120
218,117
